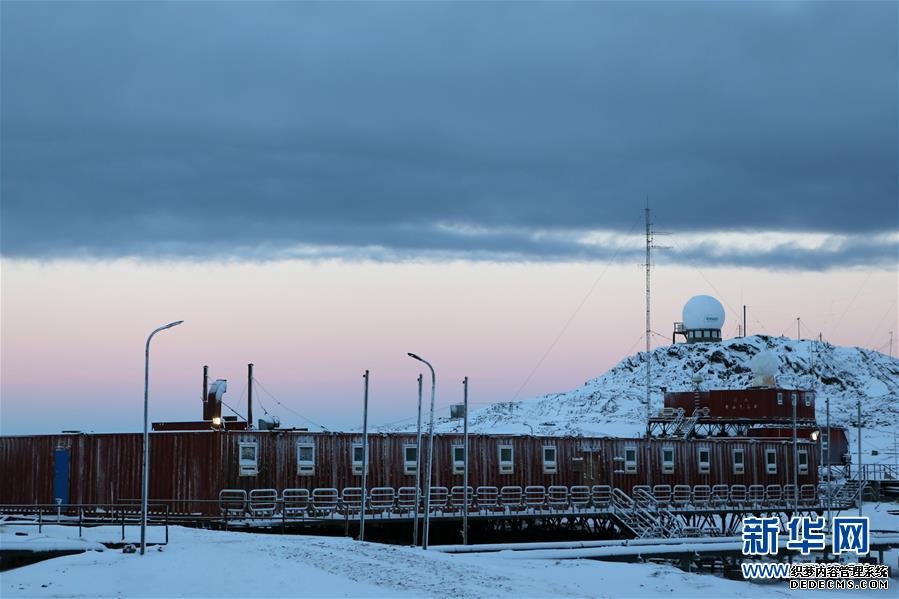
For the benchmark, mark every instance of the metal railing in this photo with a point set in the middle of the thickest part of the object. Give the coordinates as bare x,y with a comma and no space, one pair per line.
649,508
879,472
86,515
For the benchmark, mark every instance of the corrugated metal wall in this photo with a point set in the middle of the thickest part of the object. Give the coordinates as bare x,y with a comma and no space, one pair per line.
754,404
197,465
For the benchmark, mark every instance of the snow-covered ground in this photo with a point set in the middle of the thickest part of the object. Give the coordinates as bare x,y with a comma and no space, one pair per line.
201,563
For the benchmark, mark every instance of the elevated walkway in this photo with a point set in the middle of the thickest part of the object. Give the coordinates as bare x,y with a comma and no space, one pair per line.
648,512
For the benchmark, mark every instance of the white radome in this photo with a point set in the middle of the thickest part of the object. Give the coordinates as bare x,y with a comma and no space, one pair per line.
703,312
764,366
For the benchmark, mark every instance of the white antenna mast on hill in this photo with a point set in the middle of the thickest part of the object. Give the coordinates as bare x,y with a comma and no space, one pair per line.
649,247
648,320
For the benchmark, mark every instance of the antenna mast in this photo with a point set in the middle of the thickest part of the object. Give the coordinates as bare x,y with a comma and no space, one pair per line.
648,320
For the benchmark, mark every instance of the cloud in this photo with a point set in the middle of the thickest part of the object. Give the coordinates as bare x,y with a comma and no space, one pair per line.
475,131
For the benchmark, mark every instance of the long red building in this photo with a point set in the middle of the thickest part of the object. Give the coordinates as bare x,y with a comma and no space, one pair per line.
195,465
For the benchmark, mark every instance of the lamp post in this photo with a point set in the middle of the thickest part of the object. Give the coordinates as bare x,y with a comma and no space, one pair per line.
145,475
430,451
417,469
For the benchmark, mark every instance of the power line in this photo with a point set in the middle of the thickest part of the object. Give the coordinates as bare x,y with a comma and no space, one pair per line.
289,409
849,305
572,317
736,314
880,320
233,410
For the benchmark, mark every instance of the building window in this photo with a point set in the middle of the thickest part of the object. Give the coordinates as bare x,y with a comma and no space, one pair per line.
410,459
807,398
550,466
505,459
780,398
358,457
667,460
458,459
249,458
705,457
803,461
793,399
305,459
771,461
630,460
739,464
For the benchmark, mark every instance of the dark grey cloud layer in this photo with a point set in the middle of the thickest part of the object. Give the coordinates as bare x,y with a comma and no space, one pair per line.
263,130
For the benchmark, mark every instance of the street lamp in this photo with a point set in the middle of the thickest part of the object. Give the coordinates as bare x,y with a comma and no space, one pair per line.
417,469
430,451
145,475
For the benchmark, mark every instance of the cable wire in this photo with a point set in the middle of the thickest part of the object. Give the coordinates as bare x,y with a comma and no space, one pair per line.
289,409
572,317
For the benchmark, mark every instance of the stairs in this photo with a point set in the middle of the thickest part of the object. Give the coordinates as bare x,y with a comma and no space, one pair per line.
848,494
644,517
678,419
685,427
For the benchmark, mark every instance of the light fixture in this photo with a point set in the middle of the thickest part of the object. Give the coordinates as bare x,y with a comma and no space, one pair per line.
216,421
815,435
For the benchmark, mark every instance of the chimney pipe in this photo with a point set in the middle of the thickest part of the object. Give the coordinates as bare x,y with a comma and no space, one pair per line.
249,396
206,393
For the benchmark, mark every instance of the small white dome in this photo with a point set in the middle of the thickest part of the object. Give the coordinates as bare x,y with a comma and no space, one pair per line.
764,366
703,312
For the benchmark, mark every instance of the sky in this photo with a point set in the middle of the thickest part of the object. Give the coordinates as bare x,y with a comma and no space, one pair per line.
319,188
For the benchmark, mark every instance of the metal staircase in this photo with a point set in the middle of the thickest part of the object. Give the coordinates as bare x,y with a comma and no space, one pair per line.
685,427
644,517
848,494
677,420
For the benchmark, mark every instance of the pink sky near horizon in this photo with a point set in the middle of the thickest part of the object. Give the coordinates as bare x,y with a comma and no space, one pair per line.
73,331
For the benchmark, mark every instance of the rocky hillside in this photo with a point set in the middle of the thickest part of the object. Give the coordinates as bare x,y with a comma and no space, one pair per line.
613,404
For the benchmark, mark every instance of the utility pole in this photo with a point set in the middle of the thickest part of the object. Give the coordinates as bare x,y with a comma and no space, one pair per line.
824,440
744,321
465,476
798,334
249,396
364,458
827,449
891,344
795,399
861,494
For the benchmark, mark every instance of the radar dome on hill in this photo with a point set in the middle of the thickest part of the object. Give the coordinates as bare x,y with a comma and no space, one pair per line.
703,317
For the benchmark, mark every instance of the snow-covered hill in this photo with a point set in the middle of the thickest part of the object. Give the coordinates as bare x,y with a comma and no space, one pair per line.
613,404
